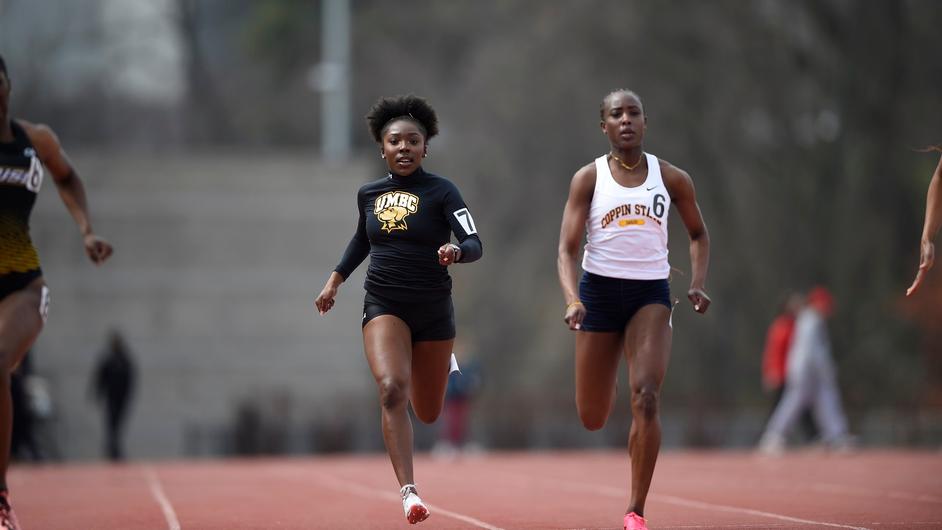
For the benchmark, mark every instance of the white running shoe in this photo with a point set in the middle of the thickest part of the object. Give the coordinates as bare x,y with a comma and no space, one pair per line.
772,445
412,505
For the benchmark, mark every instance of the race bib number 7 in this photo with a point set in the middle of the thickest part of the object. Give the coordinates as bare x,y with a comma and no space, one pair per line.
464,219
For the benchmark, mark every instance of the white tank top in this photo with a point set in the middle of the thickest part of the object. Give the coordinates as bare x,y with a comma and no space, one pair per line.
626,230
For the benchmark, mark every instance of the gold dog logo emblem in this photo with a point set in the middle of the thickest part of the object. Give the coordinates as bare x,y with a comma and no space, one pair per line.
392,209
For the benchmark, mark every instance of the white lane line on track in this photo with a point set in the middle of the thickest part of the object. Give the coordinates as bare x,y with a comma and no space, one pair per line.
671,499
157,490
359,490
930,524
364,491
841,489
909,524
851,490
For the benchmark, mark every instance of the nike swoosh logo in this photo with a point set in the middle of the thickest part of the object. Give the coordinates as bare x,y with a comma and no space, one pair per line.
651,188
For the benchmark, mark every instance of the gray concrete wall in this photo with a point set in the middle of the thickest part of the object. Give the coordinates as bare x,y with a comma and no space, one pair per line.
218,259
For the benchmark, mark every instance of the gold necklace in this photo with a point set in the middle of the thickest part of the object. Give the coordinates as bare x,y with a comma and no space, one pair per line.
626,166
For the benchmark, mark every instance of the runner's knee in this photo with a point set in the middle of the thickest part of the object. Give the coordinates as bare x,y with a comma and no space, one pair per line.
644,402
392,392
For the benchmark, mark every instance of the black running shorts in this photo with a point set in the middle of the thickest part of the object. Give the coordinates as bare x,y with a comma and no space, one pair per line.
433,320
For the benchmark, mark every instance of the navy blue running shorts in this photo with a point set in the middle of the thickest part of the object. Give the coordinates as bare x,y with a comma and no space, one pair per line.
433,320
611,302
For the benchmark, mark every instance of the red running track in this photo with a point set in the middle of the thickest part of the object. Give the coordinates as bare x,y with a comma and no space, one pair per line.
568,490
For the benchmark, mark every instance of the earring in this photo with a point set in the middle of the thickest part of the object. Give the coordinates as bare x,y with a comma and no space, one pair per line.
382,155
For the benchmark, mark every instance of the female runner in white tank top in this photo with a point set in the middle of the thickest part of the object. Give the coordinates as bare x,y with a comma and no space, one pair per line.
622,302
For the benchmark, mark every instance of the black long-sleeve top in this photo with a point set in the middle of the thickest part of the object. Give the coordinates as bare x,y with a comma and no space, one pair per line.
403,221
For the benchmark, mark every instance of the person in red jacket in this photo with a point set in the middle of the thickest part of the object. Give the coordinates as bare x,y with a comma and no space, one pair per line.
777,341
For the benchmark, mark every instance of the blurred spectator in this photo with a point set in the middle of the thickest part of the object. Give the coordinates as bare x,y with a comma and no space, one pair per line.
248,428
810,380
462,388
262,424
113,385
777,343
332,433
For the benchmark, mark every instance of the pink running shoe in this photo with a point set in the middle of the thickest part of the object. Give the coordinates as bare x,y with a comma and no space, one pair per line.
634,521
7,517
416,512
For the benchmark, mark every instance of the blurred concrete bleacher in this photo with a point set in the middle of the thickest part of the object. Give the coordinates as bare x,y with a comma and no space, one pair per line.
219,256
218,259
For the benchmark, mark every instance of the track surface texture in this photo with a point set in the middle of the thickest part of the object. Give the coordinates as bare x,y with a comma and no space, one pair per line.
547,490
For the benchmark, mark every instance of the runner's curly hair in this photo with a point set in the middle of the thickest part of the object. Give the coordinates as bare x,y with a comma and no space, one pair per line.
3,67
409,107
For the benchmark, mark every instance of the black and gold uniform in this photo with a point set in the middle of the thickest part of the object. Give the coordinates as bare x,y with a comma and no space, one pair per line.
403,222
21,175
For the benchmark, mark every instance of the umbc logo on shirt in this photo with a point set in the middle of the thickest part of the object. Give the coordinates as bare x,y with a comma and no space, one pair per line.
392,209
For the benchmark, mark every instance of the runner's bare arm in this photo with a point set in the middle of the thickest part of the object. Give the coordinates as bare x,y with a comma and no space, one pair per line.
570,236
684,197
70,186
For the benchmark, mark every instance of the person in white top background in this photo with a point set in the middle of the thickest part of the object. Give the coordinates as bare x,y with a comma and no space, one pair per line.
810,381
622,303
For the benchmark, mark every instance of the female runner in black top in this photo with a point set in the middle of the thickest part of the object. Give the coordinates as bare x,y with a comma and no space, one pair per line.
24,149
406,221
